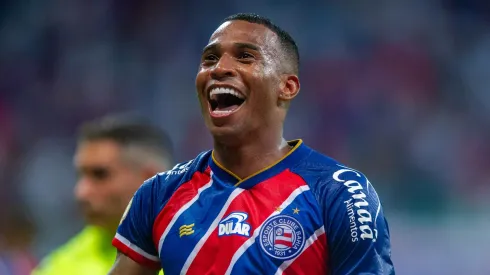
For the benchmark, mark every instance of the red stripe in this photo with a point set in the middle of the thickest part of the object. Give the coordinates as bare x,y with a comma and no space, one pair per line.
181,196
312,261
259,203
287,243
135,256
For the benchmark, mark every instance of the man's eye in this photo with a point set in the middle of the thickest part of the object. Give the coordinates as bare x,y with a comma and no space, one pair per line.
245,55
210,57
100,173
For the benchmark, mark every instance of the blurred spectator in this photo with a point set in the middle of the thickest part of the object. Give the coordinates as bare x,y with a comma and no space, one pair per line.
115,155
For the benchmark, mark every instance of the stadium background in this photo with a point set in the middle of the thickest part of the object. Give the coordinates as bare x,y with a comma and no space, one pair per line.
397,89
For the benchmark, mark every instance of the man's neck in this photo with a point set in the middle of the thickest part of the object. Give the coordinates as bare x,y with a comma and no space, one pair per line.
249,158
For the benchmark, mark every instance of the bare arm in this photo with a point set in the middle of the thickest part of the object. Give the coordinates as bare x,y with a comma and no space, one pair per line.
125,266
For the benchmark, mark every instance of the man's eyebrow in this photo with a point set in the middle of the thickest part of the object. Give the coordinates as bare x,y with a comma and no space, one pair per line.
250,46
239,45
210,47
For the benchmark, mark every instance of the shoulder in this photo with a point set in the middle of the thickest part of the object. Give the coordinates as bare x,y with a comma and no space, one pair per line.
323,172
318,164
341,189
81,242
328,179
68,254
168,181
185,170
157,190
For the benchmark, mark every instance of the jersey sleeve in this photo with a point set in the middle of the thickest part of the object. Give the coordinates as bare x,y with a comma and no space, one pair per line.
357,231
134,234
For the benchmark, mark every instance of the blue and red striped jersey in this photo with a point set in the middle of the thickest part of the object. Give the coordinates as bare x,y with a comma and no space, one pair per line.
306,214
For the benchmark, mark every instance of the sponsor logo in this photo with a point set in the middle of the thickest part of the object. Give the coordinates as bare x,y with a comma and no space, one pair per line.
234,224
178,169
361,221
282,237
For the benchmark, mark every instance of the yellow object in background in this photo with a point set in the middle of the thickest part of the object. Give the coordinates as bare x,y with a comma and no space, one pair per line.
89,252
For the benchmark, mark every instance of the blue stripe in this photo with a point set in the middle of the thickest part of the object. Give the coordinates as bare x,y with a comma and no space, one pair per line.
256,260
176,249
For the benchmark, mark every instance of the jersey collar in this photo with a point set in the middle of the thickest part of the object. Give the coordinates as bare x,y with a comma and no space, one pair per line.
291,159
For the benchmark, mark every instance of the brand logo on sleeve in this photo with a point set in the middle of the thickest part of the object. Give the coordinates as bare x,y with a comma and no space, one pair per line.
186,230
178,169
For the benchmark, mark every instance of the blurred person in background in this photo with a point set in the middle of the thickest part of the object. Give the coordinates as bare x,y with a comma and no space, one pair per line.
256,203
114,156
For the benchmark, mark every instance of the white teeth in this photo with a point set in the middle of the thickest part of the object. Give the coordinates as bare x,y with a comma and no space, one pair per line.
217,91
217,112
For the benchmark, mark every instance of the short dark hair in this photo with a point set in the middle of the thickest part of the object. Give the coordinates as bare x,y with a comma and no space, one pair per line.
129,130
289,47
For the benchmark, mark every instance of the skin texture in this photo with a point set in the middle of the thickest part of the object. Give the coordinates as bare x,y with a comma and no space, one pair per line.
107,180
247,57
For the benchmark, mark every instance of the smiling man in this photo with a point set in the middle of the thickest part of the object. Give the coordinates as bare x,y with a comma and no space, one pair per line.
256,203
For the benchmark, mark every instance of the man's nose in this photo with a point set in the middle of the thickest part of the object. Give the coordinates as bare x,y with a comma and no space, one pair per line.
82,189
224,68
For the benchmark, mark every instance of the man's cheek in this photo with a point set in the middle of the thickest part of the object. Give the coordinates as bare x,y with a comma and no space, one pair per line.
118,202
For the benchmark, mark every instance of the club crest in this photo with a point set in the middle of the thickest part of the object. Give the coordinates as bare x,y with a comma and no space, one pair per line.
282,237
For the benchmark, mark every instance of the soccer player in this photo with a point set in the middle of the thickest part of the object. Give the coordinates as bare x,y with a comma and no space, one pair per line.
114,156
256,203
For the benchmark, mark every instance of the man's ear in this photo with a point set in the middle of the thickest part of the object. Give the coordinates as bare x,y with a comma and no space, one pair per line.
289,87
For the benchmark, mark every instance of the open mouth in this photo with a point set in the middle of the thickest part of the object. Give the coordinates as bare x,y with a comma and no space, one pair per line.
224,101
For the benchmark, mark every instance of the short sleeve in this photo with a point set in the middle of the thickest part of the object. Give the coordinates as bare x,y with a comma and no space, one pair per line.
357,231
134,234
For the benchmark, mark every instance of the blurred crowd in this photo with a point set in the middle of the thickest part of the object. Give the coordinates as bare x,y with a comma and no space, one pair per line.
394,88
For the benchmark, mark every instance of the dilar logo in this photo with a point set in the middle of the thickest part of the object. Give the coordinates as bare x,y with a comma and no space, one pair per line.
234,224
282,237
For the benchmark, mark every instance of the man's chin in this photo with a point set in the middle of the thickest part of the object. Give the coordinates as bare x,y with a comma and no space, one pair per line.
226,129
230,135
95,220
